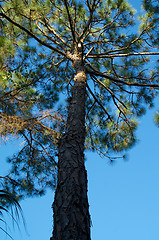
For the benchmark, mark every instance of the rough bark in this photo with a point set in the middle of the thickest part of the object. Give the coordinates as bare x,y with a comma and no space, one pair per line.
71,209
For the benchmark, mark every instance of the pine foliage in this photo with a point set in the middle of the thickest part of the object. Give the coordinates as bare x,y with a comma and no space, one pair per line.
37,46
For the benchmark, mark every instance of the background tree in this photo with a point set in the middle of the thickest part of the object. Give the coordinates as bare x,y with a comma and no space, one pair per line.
9,205
92,53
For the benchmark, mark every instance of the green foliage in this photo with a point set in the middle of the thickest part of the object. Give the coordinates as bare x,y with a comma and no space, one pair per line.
156,119
37,41
151,18
9,205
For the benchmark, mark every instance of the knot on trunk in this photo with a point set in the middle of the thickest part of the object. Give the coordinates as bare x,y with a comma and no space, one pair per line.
80,76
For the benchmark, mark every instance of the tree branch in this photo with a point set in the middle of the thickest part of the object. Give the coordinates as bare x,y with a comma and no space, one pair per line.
113,95
89,21
109,117
47,36
70,21
104,55
129,44
32,35
45,151
100,74
51,29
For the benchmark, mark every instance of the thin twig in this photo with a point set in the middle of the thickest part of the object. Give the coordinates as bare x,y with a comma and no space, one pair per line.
109,117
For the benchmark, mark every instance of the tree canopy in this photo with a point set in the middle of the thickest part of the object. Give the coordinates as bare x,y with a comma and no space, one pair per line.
39,40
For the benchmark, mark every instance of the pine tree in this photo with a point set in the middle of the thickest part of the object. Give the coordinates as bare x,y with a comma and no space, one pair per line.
90,50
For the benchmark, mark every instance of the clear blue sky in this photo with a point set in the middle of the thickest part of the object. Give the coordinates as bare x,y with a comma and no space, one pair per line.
123,197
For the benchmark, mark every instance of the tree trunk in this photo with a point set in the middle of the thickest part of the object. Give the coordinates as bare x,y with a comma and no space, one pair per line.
71,209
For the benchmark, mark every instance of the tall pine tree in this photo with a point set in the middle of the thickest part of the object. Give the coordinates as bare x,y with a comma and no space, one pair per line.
88,52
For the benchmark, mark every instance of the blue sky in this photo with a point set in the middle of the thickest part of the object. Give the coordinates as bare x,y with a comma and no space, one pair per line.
123,197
